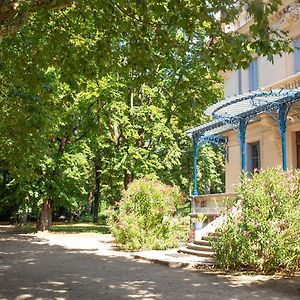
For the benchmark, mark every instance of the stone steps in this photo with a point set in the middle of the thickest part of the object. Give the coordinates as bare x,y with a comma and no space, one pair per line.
202,242
188,250
200,247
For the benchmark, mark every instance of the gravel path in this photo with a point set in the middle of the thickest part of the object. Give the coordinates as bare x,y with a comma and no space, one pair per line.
85,266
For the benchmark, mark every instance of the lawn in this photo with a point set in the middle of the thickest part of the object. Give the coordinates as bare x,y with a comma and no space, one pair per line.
66,228
80,227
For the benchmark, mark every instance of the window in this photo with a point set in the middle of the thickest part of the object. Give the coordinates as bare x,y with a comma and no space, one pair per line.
297,55
253,75
253,161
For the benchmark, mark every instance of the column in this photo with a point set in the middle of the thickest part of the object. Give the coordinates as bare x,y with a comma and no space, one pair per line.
195,151
242,136
282,114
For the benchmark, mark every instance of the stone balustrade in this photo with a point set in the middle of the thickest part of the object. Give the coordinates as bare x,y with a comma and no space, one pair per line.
291,82
211,205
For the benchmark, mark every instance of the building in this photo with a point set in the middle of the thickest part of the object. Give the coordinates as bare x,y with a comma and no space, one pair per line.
258,123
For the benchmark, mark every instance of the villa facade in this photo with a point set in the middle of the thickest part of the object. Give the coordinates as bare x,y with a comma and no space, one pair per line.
259,120
263,141
258,123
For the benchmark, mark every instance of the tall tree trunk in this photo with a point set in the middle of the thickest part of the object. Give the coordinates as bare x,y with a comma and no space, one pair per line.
45,218
96,202
44,221
5,175
89,200
98,165
128,178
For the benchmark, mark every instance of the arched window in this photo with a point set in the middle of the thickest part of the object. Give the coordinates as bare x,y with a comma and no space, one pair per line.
297,54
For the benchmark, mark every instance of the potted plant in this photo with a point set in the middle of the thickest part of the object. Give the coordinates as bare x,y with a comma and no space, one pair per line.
199,221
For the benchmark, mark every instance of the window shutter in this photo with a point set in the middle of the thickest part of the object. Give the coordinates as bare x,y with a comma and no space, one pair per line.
253,75
240,88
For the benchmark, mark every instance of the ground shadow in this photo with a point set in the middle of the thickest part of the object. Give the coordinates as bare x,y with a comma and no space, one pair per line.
32,269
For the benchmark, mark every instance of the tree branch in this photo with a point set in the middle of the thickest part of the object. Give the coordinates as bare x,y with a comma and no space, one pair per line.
13,14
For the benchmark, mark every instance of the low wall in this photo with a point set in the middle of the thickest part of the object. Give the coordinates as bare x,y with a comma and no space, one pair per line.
210,205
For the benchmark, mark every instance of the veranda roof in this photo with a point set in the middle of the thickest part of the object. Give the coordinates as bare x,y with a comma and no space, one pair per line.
228,112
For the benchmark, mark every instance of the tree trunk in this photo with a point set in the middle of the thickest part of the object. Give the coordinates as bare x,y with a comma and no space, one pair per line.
12,18
45,219
5,175
128,178
96,202
90,197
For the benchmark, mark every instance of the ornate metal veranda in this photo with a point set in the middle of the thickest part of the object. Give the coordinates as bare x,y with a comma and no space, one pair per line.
235,113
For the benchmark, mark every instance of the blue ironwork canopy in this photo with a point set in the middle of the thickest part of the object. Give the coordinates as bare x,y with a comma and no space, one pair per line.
236,113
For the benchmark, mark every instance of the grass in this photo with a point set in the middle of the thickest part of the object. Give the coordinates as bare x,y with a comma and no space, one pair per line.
28,228
65,228
80,227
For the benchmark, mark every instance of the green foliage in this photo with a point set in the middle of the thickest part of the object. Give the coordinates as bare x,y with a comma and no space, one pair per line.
211,170
263,232
99,93
144,218
88,218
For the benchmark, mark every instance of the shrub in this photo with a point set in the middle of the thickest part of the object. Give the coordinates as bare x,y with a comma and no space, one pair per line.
144,217
264,232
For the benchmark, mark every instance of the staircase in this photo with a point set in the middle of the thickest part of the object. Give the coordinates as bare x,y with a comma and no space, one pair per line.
200,247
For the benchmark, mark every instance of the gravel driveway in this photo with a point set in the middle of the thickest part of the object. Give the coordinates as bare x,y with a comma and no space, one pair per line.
85,266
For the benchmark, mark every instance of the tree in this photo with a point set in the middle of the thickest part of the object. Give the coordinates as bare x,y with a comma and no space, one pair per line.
14,14
45,160
122,80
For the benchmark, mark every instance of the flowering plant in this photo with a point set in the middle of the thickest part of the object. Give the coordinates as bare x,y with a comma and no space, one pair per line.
264,232
144,218
200,218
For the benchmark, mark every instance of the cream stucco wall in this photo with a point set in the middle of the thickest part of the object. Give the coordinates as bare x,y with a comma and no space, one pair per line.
231,84
288,18
268,73
264,131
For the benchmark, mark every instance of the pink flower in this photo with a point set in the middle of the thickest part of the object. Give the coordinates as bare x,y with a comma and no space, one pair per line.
247,233
277,229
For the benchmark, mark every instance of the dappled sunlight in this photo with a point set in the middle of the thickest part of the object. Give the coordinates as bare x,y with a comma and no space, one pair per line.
247,279
24,296
29,261
34,270
30,296
42,242
135,289
54,283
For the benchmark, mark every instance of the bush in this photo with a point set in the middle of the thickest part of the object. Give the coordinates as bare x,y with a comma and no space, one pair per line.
264,232
144,217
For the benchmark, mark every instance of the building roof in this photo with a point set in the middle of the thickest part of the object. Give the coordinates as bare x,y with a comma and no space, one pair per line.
227,113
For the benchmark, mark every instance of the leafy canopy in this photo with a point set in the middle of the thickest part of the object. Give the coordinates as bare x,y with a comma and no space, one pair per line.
104,90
